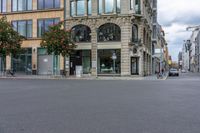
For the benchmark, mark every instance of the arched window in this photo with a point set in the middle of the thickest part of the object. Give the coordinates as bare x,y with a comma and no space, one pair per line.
134,33
109,32
81,33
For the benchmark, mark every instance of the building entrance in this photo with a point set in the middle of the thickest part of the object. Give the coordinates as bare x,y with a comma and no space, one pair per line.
134,65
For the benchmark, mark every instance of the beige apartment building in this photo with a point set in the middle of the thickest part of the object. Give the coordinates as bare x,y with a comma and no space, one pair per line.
31,18
113,36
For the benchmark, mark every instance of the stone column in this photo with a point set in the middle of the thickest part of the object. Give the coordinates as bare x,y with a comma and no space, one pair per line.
61,65
125,54
34,4
8,62
141,64
68,10
125,6
94,52
94,7
34,32
86,7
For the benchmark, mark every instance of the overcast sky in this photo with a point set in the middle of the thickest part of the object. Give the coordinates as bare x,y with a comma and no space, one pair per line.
175,16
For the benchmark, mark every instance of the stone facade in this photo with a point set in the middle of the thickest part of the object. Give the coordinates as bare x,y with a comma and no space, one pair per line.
125,20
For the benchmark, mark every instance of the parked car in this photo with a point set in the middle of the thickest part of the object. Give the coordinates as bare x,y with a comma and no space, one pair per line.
173,72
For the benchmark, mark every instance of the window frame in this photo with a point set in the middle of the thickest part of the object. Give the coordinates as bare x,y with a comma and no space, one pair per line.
43,23
17,8
2,8
44,5
26,21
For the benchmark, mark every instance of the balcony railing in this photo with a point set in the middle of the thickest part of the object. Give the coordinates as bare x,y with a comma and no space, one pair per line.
135,42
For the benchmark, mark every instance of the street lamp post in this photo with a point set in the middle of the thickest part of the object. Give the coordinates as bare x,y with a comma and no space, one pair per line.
114,57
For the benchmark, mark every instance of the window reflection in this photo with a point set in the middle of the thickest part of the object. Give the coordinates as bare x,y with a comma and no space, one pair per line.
100,7
81,33
23,27
21,5
89,7
3,5
43,25
48,4
109,6
109,61
80,7
109,32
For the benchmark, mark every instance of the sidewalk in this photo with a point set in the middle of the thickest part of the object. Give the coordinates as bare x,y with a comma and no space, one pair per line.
154,77
59,77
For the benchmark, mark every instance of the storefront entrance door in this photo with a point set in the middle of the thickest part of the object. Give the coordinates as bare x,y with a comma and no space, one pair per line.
134,66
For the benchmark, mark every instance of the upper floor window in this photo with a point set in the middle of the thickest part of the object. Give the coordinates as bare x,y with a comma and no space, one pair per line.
81,33
21,5
43,25
3,4
135,4
109,32
89,7
109,6
48,4
23,27
78,7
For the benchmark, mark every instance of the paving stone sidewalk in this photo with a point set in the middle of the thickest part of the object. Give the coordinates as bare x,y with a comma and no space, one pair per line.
153,77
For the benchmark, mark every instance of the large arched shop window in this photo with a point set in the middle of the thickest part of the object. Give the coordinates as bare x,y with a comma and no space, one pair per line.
109,32
134,33
81,33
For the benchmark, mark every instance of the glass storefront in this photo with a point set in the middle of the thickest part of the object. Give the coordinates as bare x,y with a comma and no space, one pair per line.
109,61
80,58
2,63
22,63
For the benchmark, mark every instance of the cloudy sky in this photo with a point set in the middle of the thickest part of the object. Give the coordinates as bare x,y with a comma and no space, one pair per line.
175,16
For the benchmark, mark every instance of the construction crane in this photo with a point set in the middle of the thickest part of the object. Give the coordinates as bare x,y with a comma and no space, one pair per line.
197,27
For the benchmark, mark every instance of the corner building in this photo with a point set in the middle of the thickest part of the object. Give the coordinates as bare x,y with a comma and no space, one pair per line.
113,36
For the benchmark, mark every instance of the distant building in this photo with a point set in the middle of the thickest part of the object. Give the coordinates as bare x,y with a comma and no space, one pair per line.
185,57
180,60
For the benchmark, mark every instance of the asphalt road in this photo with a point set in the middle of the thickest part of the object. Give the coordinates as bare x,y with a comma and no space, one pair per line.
73,106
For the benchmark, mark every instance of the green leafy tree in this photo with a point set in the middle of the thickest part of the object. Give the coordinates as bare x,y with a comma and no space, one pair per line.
58,41
10,40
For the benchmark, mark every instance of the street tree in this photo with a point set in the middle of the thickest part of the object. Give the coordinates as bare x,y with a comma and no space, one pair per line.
58,41
10,40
